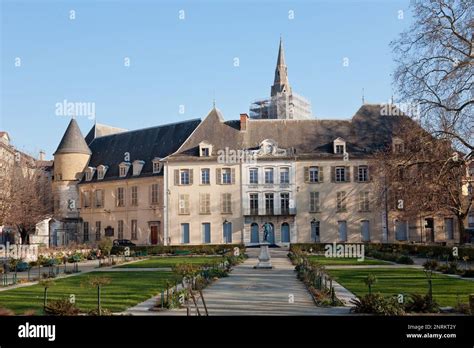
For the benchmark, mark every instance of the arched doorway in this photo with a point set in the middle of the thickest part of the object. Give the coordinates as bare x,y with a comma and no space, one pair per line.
254,233
285,232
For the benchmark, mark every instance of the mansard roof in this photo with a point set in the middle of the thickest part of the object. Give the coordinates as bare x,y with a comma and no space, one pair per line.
142,144
72,141
366,132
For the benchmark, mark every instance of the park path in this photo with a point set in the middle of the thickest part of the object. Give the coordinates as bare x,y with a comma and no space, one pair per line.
249,291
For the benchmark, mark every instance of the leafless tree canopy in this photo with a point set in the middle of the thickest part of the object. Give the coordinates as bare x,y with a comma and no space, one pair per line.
425,178
26,198
435,67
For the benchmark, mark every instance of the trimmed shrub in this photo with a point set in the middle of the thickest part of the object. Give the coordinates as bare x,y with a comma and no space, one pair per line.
421,304
404,259
377,304
62,307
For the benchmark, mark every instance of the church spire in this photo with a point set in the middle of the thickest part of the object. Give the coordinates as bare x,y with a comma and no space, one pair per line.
281,83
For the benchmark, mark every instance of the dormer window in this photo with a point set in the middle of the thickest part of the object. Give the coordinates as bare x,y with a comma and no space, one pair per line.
90,173
123,169
205,149
157,165
398,145
339,146
137,167
101,170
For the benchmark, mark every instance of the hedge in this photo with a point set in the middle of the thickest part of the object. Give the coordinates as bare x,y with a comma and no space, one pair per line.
431,251
207,249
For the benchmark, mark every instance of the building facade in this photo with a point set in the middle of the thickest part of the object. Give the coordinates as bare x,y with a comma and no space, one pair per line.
216,181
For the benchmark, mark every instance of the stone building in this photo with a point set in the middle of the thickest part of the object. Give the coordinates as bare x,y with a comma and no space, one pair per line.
219,181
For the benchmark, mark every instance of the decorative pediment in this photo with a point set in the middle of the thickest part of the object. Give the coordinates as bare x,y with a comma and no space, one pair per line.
269,147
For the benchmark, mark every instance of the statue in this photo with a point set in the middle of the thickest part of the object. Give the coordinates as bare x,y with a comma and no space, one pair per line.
267,228
264,256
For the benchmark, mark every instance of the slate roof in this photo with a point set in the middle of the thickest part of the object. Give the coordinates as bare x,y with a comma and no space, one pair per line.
100,130
143,144
367,132
72,141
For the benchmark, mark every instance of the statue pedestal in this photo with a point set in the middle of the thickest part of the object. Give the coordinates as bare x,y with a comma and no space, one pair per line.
264,257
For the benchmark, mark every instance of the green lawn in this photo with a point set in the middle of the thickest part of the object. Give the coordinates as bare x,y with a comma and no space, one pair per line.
405,281
345,261
170,261
125,290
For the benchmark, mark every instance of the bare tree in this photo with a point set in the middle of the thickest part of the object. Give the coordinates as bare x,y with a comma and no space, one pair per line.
422,177
435,69
29,199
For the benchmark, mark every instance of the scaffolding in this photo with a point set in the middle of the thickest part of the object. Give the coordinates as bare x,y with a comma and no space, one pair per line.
281,106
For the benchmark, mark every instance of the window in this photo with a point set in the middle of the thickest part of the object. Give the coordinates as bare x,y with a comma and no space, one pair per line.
364,203
226,203
205,176
204,203
134,230
86,231
362,174
134,196
120,197
206,232
314,202
154,194
268,175
341,201
284,175
205,152
227,232
185,233
99,198
339,146
253,176
183,204
449,228
86,199
285,203
97,230
340,174
226,176
123,169
269,203
340,149
120,229
184,177
315,231
398,147
365,230
254,204
313,174
89,175
100,172
400,173
156,166
342,227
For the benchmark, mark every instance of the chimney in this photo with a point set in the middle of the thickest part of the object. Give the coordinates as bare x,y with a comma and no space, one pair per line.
41,155
243,122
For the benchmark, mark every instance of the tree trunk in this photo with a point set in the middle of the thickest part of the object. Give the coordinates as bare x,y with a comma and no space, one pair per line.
98,301
462,230
45,302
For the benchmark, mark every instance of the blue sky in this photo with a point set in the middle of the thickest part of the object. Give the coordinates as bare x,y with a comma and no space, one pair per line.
185,62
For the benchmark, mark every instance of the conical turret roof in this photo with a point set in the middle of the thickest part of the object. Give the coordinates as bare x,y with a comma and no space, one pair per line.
73,141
